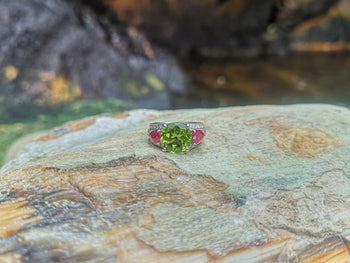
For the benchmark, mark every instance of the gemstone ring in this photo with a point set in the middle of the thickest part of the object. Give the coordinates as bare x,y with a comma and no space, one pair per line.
176,137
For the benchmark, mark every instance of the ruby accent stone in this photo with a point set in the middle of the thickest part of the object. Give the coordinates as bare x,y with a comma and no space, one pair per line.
155,136
197,136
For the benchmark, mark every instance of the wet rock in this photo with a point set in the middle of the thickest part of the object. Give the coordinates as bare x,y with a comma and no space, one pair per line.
344,5
310,26
292,12
327,33
55,51
268,184
231,28
210,27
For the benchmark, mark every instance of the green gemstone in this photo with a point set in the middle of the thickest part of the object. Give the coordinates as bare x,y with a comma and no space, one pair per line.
175,137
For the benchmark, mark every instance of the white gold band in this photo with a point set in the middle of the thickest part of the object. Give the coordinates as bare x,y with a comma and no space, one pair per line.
190,125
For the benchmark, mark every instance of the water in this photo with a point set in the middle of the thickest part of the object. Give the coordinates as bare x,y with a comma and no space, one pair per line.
297,78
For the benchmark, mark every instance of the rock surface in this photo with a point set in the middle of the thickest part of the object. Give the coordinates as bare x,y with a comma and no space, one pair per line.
293,12
56,51
326,33
221,28
268,184
209,27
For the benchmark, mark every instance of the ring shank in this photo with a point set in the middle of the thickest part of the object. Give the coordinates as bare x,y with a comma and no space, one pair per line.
191,125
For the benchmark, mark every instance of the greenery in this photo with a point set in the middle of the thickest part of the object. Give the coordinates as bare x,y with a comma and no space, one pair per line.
21,119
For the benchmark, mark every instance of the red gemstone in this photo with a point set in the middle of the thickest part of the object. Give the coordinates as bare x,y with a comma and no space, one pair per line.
155,136
197,136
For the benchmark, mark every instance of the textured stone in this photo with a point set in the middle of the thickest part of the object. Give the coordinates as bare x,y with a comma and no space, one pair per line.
293,12
268,184
56,51
327,33
221,28
208,27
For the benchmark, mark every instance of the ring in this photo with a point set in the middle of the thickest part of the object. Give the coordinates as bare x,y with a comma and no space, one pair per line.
176,137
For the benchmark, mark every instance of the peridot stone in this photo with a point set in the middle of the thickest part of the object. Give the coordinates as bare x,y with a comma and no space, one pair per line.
175,137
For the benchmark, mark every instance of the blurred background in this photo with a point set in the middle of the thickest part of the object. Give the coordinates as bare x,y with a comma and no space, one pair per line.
62,60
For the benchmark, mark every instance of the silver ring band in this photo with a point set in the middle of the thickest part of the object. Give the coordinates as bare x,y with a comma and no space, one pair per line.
191,125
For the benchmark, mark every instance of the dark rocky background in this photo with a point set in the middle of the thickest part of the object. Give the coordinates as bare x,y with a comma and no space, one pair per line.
67,50
56,51
226,28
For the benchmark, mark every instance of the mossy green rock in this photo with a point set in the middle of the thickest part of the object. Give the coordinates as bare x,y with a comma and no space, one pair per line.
268,184
19,119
